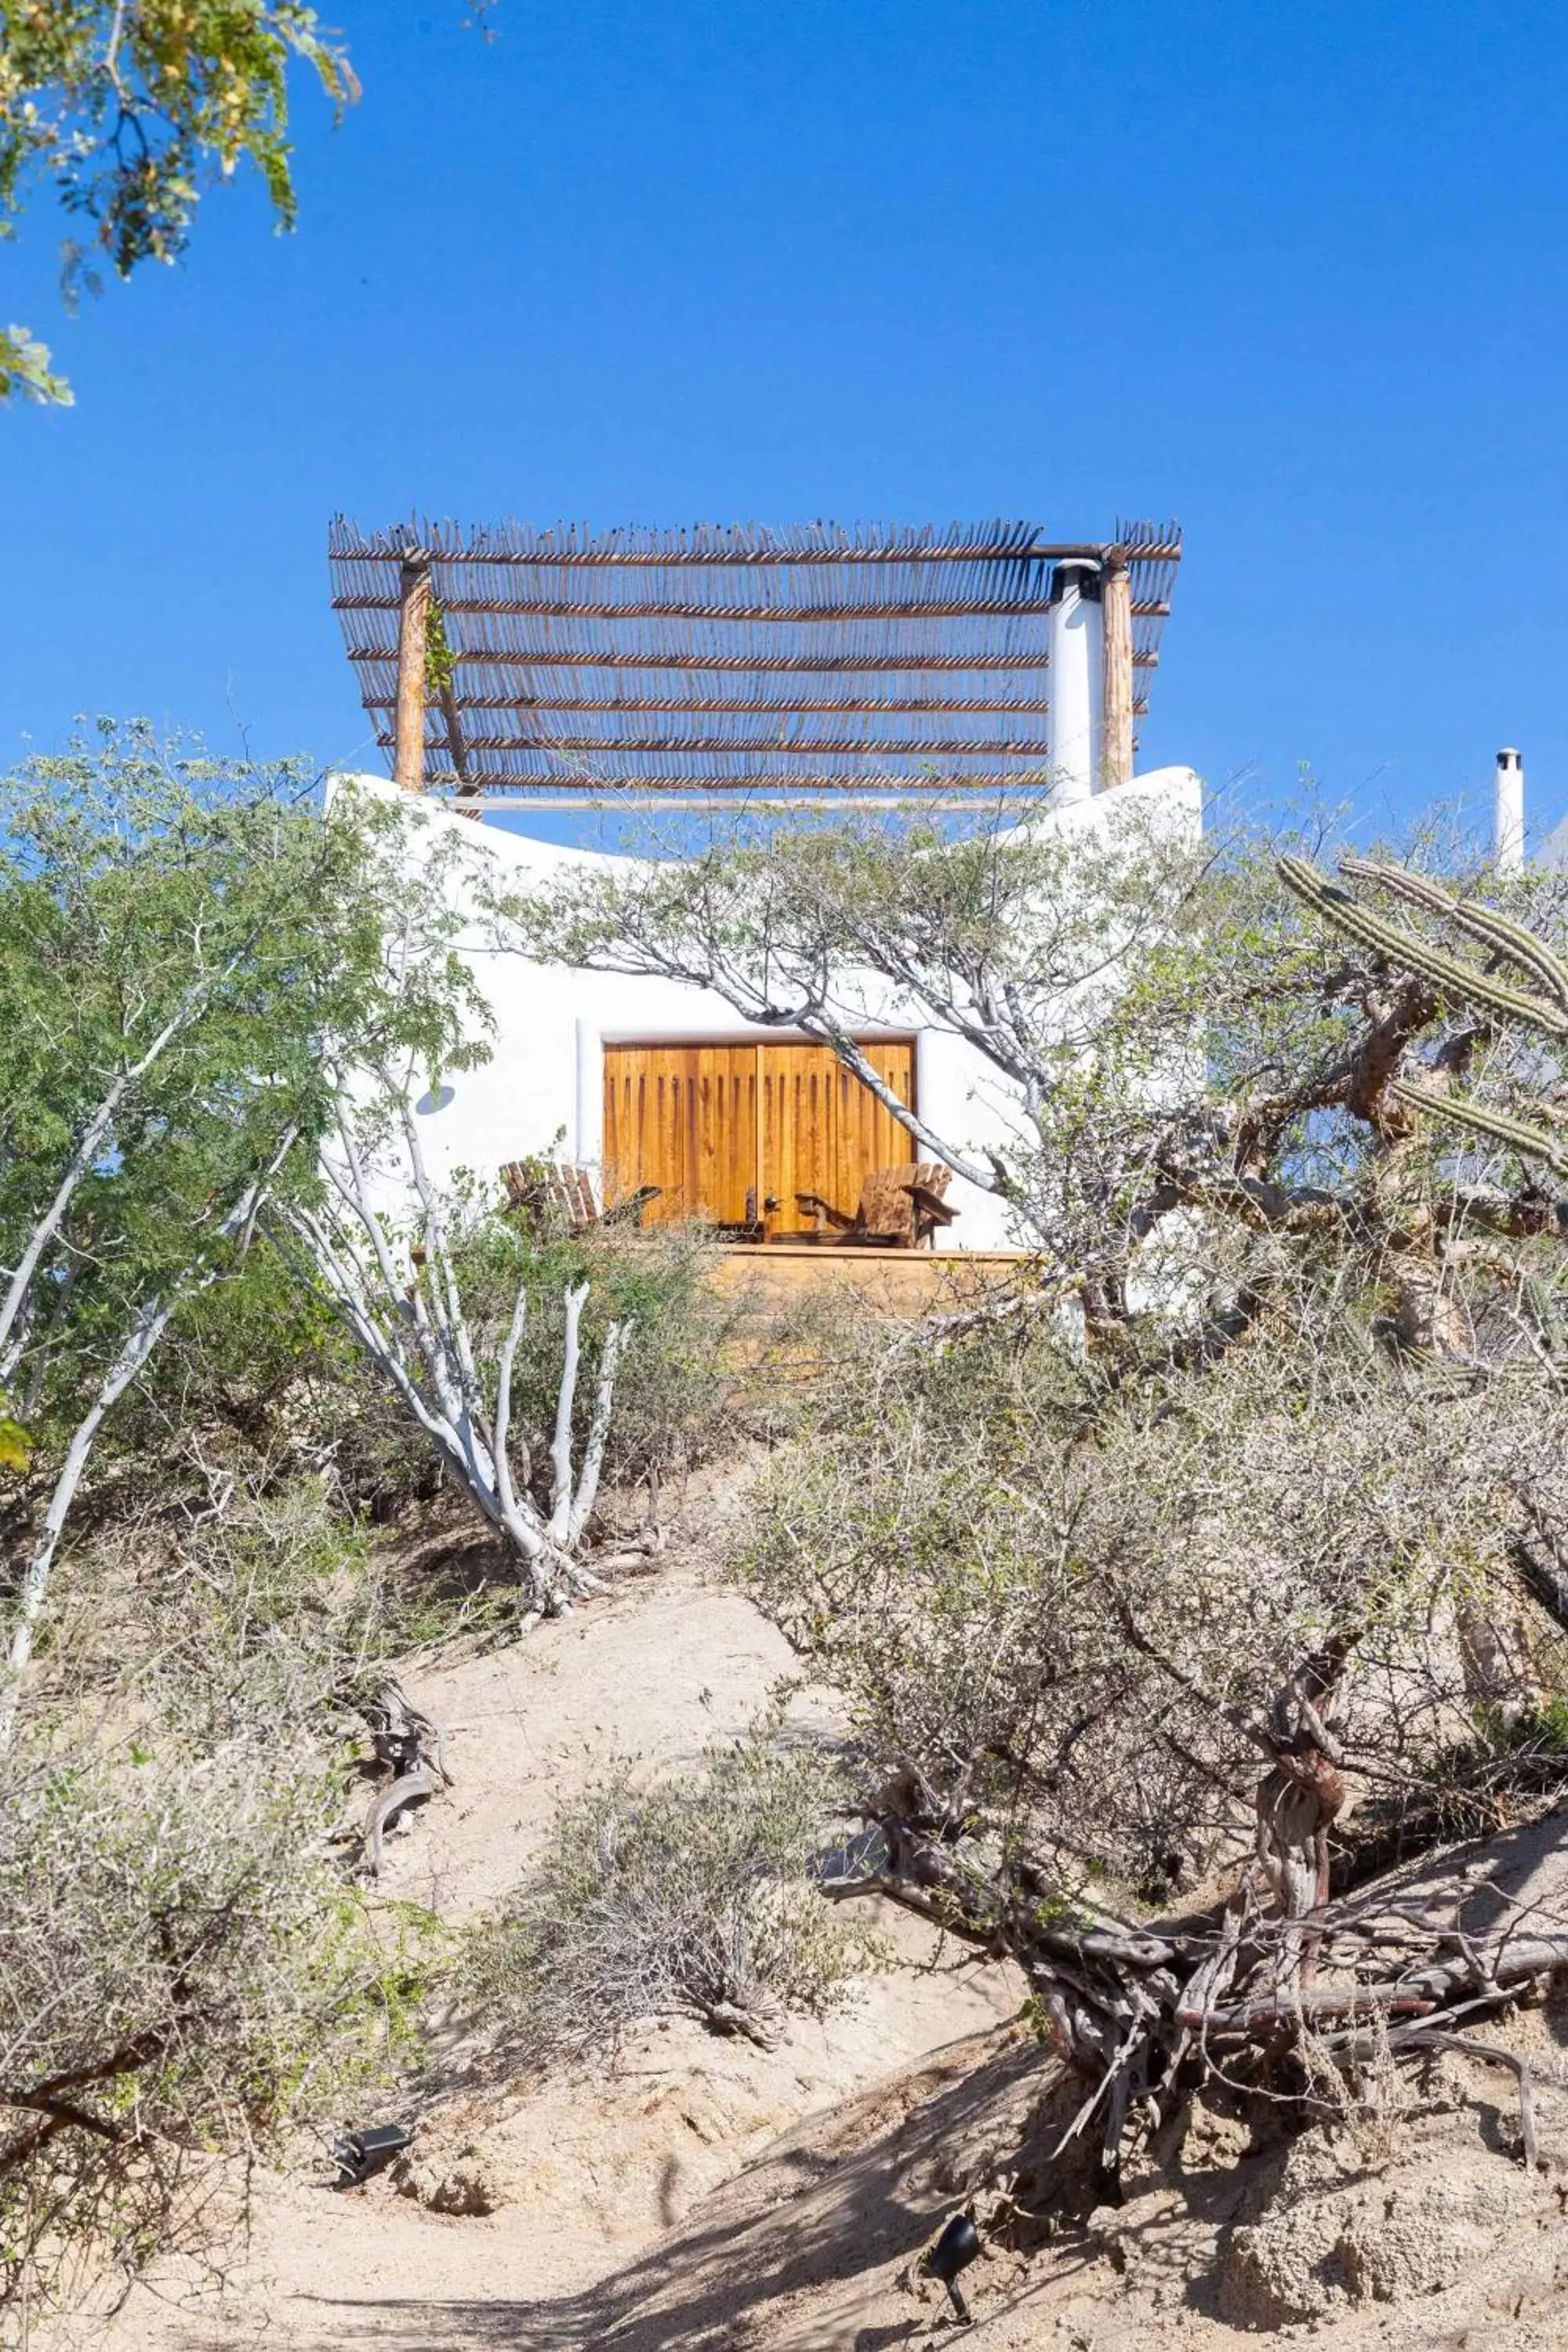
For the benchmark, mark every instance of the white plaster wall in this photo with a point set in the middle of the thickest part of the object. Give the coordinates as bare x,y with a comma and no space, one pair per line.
1554,848
545,1075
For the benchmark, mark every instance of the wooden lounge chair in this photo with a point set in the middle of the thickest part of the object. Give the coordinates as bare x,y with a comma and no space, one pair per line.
900,1208
557,1195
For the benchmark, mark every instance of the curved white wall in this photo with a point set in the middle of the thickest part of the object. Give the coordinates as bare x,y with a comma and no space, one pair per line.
545,1077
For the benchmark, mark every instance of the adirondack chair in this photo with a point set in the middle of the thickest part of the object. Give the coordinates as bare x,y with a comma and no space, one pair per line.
556,1194
900,1208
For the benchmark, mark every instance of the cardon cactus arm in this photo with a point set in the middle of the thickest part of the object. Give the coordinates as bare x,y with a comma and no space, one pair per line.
1493,929
1529,1142
1335,907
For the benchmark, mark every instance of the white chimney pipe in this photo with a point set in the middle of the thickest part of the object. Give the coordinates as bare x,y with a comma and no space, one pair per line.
1507,813
1075,653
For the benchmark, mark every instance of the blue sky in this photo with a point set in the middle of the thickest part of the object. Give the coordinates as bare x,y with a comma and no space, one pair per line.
1293,276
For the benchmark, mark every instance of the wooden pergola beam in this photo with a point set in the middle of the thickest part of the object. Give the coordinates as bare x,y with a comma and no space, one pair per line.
474,799
541,557
413,633
556,608
1020,705
877,630
1025,779
1117,608
974,746
742,665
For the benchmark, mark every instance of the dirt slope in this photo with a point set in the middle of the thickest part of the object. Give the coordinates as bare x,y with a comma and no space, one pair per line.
592,2171
706,2194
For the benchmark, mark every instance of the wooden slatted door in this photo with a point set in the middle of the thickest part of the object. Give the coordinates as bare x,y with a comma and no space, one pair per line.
823,1131
683,1117
716,1126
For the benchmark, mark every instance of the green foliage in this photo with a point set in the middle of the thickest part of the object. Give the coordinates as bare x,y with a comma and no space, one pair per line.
688,1895
25,373
144,891
185,1970
186,951
126,108
14,1446
1543,1729
439,670
678,1392
256,1387
240,1351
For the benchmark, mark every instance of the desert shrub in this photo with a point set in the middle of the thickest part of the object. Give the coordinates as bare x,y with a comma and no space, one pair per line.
1059,1600
683,1896
676,1391
1266,1498
281,1609
258,1383
184,1977
255,1356
258,1388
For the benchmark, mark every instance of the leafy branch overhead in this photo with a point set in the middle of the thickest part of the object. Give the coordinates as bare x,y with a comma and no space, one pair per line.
126,109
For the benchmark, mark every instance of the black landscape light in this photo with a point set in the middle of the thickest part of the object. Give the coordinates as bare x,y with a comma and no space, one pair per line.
953,2251
358,2154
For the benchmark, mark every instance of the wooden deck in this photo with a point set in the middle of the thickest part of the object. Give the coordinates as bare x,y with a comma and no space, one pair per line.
894,1282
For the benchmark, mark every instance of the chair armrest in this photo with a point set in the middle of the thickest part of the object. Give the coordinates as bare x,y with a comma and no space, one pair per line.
929,1204
835,1217
630,1210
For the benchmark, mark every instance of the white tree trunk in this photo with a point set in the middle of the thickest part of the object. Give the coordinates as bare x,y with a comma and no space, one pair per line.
148,1327
415,1332
14,1301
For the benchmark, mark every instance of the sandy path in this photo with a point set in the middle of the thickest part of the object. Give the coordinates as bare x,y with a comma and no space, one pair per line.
594,2171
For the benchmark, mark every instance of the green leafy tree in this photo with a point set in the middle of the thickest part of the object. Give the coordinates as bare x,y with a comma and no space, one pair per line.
182,948
126,108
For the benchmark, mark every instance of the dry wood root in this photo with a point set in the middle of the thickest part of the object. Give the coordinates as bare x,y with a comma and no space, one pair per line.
1254,1994
412,1748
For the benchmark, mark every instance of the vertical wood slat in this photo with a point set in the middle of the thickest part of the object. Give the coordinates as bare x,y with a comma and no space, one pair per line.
412,629
1116,757
711,1123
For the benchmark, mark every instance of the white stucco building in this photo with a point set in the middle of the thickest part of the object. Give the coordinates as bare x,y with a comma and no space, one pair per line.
558,1036
819,669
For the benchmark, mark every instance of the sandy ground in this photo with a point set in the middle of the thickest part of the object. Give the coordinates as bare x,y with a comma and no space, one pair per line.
706,2194
595,2169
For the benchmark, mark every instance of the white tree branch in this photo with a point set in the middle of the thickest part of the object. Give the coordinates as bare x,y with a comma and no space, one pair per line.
565,1399
148,1327
587,1493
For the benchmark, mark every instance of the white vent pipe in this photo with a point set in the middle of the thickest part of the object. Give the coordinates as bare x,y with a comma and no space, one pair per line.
1076,652
1508,813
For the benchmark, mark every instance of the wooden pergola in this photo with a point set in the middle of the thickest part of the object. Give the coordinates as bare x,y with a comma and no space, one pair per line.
516,663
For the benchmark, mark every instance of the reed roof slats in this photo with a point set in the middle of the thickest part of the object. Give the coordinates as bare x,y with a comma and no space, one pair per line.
725,657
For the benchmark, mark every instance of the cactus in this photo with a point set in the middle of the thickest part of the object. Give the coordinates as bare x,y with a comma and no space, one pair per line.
1484,923
1543,1304
1459,979
1529,1142
1455,978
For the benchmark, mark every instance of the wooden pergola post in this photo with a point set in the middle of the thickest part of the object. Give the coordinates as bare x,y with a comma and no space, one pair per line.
413,629
1116,757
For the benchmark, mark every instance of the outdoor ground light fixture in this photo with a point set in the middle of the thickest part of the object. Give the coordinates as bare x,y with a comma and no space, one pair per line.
953,2251
358,2154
